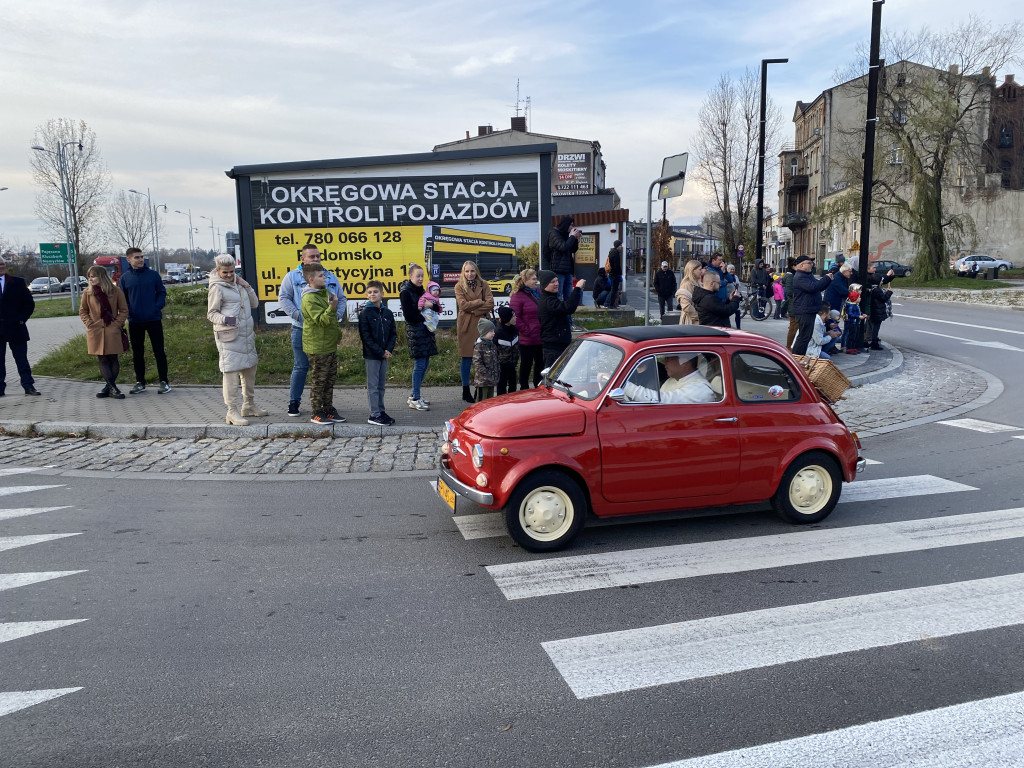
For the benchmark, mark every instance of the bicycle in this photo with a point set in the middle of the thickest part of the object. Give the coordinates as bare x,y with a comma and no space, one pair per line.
757,306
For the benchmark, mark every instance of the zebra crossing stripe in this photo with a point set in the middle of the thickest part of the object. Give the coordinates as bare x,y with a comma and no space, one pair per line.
979,733
10,490
13,580
489,524
8,514
12,701
7,471
613,662
13,630
977,425
580,573
13,542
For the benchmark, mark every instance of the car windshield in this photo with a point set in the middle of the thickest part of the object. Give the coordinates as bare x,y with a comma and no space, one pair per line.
586,368
40,281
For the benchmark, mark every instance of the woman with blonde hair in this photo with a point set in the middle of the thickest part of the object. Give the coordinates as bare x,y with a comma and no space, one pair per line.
229,305
104,311
525,302
475,301
692,274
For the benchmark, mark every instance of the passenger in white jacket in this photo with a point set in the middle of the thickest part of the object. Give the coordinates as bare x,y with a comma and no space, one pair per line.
229,307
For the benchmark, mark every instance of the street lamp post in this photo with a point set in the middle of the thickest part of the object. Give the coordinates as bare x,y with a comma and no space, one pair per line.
191,229
154,239
69,215
760,155
213,234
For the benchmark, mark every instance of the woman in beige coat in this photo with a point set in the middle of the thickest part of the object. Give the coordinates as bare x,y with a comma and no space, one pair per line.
229,305
103,310
475,300
692,274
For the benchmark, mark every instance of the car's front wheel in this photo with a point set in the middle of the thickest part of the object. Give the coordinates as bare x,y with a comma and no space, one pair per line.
546,511
809,490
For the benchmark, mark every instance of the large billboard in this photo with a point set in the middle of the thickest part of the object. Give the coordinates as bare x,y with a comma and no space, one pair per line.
573,174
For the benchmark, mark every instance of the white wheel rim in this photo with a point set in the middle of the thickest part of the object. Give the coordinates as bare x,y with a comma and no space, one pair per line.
546,513
810,490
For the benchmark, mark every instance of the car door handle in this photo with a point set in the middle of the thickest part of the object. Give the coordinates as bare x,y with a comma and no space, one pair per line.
728,420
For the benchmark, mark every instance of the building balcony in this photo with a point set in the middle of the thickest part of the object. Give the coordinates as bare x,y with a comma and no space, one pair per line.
796,182
796,220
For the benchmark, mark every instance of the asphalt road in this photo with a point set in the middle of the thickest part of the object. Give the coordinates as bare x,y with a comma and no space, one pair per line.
245,624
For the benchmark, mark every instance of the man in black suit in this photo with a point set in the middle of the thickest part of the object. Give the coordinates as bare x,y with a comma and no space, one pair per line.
16,307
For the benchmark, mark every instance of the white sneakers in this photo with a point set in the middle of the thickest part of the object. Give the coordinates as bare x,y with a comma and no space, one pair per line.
418,405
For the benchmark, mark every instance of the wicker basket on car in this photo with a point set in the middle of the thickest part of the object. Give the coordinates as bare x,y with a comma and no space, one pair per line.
824,375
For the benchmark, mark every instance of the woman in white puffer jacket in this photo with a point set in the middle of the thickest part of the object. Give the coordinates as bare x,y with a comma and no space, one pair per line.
229,307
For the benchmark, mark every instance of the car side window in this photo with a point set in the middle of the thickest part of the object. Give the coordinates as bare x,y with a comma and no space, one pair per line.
675,379
762,379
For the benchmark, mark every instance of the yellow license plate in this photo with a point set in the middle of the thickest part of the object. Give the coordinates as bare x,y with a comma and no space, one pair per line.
446,493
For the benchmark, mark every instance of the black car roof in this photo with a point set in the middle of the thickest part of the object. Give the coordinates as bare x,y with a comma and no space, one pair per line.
657,332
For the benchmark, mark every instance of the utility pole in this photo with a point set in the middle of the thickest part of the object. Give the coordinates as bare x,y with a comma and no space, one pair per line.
759,245
875,67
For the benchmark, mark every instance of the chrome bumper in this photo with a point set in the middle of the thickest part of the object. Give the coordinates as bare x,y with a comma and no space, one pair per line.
471,493
862,464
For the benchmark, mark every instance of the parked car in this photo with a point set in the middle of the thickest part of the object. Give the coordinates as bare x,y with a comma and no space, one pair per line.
965,265
609,433
882,267
170,280
45,285
65,287
502,283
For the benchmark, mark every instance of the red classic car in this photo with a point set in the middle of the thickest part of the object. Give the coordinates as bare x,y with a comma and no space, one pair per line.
638,420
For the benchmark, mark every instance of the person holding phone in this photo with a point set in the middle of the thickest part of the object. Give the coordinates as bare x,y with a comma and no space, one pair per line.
559,254
230,302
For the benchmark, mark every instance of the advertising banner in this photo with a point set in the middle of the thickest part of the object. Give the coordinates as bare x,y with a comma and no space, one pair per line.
373,227
587,253
572,174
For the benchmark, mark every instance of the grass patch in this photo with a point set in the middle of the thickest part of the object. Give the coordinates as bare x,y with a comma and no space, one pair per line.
59,306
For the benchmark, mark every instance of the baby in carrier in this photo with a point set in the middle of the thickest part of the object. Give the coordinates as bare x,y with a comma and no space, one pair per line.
429,306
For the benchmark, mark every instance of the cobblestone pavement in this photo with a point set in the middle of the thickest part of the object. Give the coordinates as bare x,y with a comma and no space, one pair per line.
925,388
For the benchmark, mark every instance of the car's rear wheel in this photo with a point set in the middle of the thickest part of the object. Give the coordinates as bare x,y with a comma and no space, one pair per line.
546,511
809,490
506,288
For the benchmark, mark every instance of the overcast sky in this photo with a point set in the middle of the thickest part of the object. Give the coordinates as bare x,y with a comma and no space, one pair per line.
178,92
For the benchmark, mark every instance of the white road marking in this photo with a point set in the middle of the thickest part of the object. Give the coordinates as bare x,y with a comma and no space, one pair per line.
872,461
12,630
977,425
12,580
12,701
580,573
13,542
974,342
978,733
13,489
490,525
965,325
5,471
7,514
613,662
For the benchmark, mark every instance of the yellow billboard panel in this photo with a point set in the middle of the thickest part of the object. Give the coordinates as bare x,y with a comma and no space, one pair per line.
355,255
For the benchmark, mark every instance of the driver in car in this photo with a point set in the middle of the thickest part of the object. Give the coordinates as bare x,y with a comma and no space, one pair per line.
684,384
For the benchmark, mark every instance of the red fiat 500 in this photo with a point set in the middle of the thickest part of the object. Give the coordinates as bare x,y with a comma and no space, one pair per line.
638,420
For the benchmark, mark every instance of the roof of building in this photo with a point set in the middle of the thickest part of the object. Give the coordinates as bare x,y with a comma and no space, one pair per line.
544,136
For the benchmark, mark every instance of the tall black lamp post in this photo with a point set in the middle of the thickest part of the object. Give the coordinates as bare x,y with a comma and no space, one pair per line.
759,245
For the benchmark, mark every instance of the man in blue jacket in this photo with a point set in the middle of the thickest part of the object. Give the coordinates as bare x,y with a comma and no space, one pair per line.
807,300
145,293
290,298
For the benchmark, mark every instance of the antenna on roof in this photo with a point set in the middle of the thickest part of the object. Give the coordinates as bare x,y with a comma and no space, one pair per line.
525,109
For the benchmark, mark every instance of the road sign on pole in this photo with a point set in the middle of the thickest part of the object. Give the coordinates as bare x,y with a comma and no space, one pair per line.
56,253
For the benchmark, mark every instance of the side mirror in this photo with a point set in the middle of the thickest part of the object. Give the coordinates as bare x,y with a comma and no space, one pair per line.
618,395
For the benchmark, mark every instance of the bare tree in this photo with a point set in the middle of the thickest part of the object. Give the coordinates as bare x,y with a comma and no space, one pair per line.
726,149
87,181
933,106
128,221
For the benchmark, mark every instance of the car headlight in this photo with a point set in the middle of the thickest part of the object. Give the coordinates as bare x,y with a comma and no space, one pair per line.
477,451
446,431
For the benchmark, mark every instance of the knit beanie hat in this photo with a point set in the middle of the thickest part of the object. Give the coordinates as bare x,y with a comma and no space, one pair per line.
505,313
545,276
484,327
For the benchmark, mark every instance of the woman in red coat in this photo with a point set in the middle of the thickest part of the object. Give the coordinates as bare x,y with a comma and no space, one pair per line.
104,311
524,300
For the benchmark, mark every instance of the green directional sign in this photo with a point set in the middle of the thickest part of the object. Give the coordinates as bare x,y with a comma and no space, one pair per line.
55,253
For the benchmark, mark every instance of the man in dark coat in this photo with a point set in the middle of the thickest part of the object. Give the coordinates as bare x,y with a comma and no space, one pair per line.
145,293
711,310
807,300
560,254
665,285
16,307
555,315
614,273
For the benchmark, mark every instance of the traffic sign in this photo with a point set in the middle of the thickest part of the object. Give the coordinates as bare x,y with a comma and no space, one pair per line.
55,253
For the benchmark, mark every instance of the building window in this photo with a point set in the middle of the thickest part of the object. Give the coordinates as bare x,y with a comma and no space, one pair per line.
901,79
1004,168
1005,135
895,154
899,113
